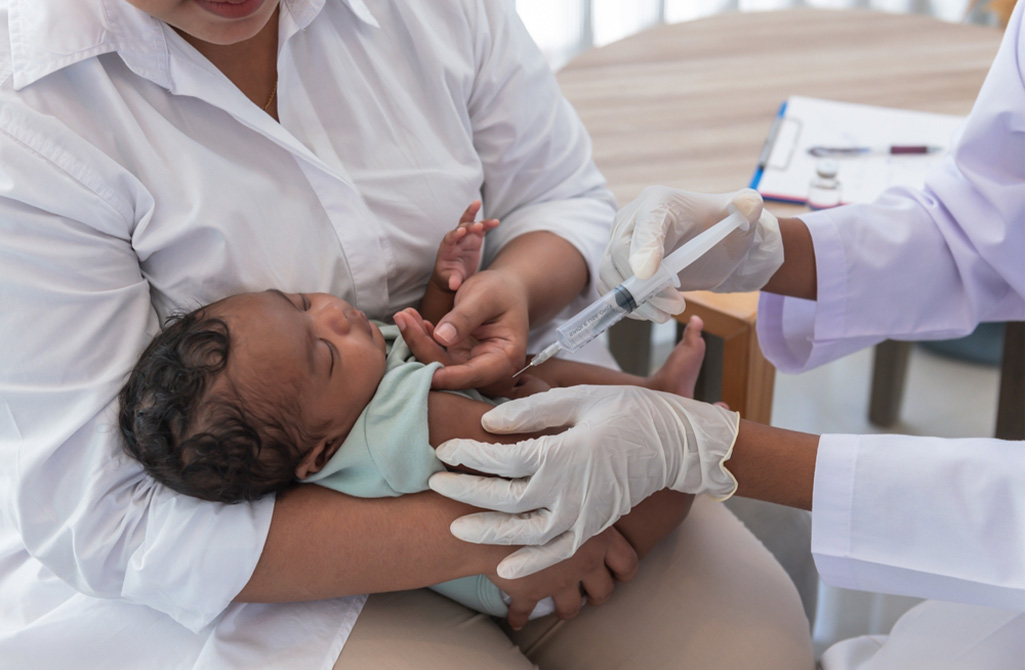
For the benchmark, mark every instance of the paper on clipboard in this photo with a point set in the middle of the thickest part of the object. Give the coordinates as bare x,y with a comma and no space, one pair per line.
786,168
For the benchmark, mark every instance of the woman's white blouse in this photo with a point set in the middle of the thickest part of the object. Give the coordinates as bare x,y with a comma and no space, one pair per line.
135,179
913,515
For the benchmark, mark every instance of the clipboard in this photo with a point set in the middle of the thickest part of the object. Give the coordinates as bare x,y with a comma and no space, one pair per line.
786,168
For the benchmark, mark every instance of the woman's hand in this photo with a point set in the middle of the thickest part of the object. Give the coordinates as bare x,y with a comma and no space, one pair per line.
592,572
485,333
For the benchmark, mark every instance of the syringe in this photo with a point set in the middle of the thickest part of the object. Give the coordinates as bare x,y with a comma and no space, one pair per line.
609,309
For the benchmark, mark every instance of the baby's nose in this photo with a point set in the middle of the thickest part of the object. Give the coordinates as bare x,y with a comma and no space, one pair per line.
333,318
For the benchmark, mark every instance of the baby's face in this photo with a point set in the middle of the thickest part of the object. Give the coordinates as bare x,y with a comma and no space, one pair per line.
313,348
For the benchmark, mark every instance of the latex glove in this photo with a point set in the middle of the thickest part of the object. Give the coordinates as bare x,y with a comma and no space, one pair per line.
623,444
661,219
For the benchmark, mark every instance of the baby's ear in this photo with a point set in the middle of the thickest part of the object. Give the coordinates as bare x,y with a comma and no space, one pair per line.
317,457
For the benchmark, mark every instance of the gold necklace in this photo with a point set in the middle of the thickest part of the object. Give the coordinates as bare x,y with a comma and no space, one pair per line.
273,92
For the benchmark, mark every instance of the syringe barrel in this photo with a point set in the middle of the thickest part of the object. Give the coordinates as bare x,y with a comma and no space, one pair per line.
595,319
643,289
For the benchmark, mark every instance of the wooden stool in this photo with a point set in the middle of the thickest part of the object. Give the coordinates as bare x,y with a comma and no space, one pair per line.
890,370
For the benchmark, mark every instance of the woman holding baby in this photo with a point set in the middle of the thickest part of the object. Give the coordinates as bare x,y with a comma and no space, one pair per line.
156,155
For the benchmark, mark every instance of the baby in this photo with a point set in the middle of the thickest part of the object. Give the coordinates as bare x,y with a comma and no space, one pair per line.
255,392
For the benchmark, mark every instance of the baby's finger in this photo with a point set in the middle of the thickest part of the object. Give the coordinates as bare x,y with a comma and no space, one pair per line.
419,340
568,602
455,280
598,585
519,612
470,213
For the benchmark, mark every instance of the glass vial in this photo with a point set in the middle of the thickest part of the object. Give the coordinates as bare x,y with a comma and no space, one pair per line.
824,190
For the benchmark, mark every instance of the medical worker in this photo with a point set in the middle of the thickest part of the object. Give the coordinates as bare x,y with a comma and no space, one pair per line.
160,154
934,518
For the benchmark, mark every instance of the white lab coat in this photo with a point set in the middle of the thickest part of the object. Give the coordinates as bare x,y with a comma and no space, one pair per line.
135,179
918,516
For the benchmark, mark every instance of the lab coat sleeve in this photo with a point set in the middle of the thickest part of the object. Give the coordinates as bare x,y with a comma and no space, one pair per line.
929,264
923,517
536,154
76,314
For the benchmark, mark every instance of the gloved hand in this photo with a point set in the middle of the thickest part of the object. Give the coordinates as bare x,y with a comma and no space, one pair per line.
624,444
661,219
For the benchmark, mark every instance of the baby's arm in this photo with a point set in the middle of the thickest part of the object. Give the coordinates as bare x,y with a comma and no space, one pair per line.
677,375
450,415
458,258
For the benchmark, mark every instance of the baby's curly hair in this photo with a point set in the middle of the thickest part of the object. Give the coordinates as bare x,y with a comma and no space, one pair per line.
195,439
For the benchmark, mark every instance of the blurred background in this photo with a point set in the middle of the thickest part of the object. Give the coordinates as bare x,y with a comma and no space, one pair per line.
564,28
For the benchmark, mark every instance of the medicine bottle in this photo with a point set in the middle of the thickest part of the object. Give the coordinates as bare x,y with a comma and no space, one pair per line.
824,190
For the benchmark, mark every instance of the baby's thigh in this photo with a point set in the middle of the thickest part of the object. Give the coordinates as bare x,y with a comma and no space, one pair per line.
421,630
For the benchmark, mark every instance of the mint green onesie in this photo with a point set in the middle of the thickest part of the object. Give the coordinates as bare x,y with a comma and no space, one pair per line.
387,453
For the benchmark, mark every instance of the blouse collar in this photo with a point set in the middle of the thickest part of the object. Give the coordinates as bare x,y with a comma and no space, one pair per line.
49,35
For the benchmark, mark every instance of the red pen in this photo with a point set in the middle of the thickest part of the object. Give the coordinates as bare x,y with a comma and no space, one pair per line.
839,152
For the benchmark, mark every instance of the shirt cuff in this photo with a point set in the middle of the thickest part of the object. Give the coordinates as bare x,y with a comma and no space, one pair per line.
796,334
584,222
832,502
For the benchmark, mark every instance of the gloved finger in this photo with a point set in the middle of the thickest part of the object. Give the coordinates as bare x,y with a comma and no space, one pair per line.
615,265
551,409
647,245
505,460
669,300
531,559
648,312
661,307
529,528
503,495
693,214
749,203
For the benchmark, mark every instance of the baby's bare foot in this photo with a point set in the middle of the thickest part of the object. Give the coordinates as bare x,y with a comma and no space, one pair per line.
679,373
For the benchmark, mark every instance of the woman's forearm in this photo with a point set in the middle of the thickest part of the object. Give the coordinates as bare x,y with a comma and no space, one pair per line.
323,544
550,269
796,277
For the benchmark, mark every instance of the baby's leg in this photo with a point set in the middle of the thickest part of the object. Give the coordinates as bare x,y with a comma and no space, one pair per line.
654,518
679,373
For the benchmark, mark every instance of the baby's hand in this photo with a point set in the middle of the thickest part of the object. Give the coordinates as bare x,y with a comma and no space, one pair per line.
419,336
460,249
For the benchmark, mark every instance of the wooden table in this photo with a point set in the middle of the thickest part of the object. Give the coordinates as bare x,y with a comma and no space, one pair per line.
689,105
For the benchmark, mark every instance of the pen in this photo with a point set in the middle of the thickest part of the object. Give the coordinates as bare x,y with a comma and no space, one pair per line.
770,140
861,151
